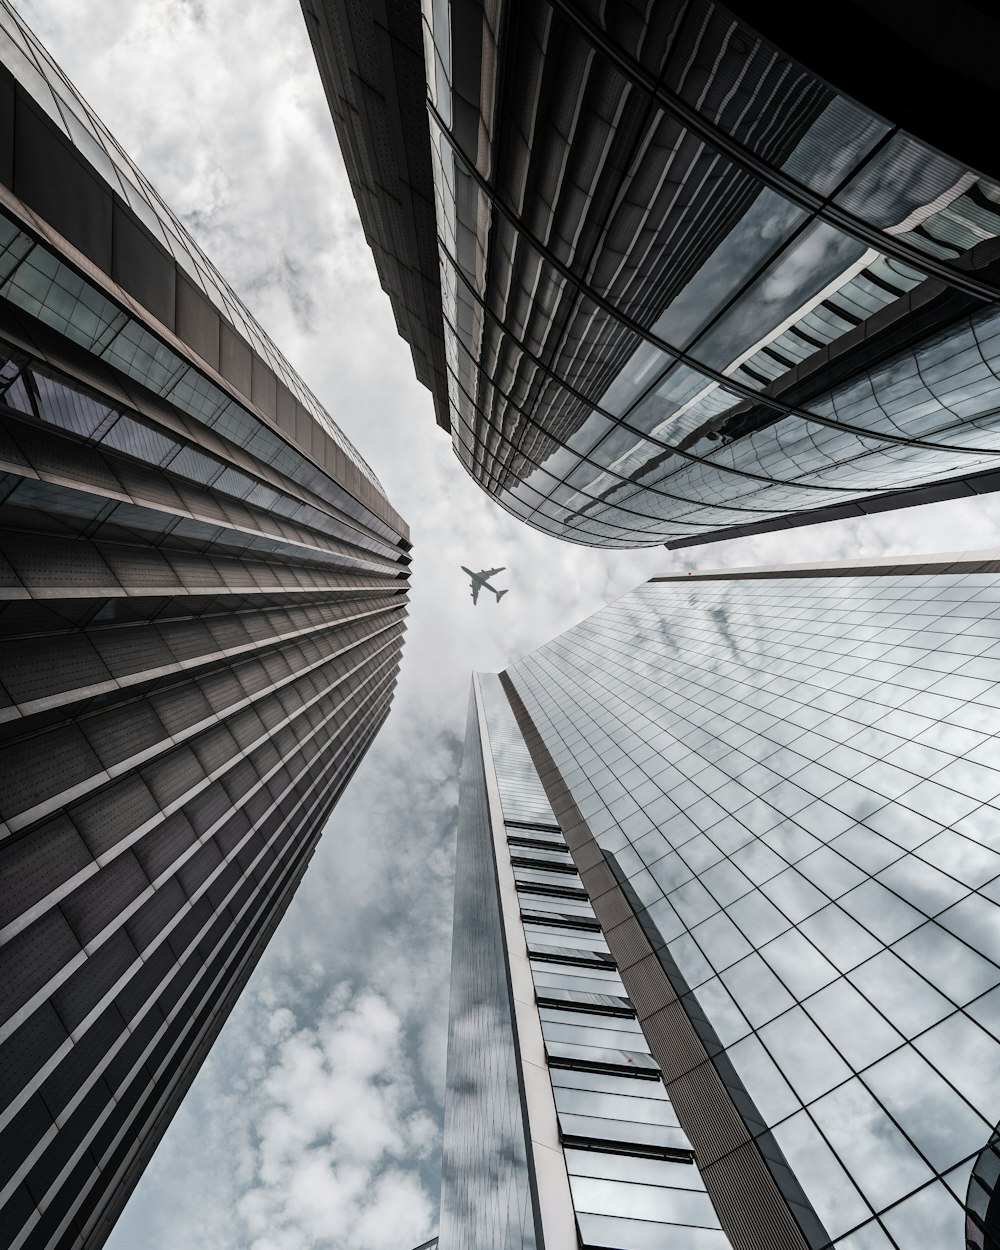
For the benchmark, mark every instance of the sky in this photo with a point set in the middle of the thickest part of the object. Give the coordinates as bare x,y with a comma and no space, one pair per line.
315,1122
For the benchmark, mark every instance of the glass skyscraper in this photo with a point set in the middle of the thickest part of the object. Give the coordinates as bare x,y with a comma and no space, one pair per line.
556,1115
686,288
732,881
202,603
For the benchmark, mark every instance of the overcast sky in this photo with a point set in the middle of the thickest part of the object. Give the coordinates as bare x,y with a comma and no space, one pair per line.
315,1123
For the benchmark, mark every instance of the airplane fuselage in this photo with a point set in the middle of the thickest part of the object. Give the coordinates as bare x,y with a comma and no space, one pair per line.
481,580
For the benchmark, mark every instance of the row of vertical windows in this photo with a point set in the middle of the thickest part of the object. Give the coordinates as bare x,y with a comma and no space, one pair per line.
631,1168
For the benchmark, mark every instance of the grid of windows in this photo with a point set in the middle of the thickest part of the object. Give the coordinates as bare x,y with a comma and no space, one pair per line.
797,777
687,286
631,1167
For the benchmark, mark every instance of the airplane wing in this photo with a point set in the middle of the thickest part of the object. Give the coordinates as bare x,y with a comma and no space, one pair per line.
486,574
475,593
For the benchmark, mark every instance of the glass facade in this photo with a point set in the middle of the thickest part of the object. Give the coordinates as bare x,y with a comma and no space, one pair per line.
632,1179
793,780
486,1183
202,607
687,287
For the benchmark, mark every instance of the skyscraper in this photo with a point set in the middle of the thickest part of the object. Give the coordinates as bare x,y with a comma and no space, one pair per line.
687,288
203,599
729,893
556,1116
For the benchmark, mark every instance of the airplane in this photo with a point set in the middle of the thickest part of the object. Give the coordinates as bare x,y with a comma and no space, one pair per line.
479,581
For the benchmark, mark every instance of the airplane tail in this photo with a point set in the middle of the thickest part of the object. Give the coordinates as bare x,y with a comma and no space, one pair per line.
500,594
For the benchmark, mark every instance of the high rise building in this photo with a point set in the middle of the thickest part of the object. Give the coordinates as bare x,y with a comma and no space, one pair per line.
703,271
727,936
556,1115
202,599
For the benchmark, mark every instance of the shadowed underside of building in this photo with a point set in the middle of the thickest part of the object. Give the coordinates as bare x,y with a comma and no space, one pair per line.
202,604
702,271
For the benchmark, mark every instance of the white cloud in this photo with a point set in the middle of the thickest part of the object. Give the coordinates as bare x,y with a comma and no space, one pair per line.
315,1121
337,1114
313,1135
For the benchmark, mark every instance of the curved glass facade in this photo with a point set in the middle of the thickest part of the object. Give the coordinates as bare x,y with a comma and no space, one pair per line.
982,1206
687,286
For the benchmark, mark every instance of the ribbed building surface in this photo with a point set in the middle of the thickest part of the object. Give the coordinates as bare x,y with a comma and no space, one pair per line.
202,603
488,1191
371,60
688,287
780,791
559,1132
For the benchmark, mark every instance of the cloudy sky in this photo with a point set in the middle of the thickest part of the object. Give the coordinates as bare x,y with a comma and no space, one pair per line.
315,1123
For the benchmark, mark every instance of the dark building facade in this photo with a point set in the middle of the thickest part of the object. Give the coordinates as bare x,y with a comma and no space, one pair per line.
202,600
688,288
761,808
371,61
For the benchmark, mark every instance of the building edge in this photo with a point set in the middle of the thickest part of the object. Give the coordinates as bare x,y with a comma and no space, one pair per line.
753,1212
547,1167
969,486
983,561
370,59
